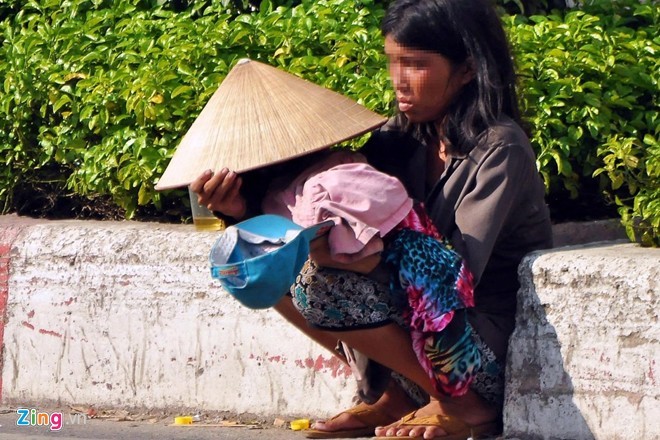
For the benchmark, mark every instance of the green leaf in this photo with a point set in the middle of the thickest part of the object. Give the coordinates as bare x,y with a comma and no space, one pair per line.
143,195
185,69
63,100
649,139
181,90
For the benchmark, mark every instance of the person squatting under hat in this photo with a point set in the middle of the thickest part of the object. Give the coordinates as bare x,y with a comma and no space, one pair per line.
457,146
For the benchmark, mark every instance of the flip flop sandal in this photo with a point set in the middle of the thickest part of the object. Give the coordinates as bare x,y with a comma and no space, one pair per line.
456,429
366,414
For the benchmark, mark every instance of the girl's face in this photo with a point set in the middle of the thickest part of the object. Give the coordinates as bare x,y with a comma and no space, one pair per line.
425,82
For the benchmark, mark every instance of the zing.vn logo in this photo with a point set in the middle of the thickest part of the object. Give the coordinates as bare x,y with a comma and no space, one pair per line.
31,417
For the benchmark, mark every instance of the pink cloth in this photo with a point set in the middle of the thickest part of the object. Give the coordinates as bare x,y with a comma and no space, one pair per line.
364,203
283,194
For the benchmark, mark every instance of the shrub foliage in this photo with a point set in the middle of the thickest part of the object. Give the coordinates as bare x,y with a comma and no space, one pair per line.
590,88
96,94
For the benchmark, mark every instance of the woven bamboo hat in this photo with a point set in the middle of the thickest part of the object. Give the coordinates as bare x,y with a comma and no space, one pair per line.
261,115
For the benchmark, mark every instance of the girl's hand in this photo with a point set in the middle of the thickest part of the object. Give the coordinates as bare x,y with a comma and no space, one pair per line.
220,192
319,253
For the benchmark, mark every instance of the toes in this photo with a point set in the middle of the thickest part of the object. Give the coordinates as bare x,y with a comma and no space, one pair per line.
426,432
387,431
431,432
380,431
417,432
338,423
392,432
320,425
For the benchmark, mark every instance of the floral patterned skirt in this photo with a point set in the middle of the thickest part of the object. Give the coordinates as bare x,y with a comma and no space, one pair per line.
338,300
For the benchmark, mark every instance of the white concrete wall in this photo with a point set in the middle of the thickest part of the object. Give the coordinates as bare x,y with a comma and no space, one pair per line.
584,360
127,315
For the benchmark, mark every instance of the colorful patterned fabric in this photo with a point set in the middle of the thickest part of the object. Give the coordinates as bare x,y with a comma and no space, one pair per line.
438,288
340,300
334,299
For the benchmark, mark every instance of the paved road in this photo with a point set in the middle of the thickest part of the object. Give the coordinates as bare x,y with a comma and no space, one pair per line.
147,428
107,429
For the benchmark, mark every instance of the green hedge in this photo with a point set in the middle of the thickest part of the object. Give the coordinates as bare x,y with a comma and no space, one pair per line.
97,93
96,98
590,87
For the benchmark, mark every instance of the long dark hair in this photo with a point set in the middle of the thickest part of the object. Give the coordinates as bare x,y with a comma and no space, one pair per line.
460,30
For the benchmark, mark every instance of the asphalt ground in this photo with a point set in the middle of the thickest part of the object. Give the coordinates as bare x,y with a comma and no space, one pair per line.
120,425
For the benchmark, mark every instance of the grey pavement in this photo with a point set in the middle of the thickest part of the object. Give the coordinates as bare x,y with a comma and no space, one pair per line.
105,429
160,429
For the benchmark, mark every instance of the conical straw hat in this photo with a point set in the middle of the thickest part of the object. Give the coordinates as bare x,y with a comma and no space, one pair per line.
262,115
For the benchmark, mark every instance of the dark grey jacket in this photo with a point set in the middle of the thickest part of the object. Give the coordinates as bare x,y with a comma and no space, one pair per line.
489,203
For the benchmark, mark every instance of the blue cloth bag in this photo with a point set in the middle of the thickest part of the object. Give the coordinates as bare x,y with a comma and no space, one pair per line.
257,260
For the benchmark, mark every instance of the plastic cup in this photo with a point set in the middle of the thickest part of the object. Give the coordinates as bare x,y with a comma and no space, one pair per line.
203,218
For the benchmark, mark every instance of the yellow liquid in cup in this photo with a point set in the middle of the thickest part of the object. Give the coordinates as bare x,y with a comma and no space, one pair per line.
208,224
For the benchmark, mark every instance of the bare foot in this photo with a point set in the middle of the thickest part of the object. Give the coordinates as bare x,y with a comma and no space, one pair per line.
393,404
469,408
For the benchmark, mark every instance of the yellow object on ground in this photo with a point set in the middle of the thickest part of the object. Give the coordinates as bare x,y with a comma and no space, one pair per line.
299,424
183,420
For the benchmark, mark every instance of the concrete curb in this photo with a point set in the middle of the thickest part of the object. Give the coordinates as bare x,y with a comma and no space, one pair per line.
584,359
10,228
126,314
